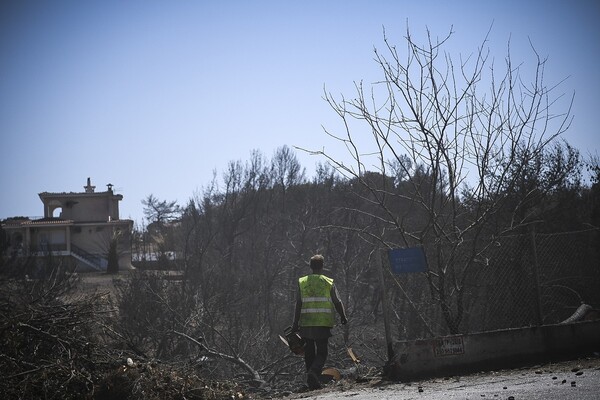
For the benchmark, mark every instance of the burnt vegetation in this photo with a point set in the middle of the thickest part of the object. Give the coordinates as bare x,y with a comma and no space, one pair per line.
204,322
506,212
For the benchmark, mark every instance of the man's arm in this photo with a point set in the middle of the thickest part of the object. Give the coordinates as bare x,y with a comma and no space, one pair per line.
339,306
297,310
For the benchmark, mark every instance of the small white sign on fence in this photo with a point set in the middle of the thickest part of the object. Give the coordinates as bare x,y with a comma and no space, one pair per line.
448,346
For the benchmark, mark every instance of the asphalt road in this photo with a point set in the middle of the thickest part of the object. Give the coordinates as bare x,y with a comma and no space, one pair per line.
577,379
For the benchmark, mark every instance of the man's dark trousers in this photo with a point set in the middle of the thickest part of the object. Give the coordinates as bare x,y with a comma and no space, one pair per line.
315,354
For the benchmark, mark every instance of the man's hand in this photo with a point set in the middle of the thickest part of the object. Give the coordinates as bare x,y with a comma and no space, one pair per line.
344,320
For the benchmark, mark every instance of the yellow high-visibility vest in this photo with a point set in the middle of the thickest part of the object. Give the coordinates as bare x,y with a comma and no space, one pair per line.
317,307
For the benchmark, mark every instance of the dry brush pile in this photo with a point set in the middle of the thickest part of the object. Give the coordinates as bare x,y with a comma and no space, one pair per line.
55,345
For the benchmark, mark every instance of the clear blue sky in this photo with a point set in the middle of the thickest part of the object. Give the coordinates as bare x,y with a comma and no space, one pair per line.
153,96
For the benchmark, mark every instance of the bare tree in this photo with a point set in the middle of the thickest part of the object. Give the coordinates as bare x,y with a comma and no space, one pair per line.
447,131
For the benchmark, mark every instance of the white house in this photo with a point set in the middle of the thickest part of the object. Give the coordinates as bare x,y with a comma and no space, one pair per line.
76,225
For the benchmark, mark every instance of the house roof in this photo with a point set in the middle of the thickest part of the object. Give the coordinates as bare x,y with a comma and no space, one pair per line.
41,221
48,221
79,194
58,221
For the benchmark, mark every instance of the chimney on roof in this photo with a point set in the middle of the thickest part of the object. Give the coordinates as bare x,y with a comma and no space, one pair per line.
89,188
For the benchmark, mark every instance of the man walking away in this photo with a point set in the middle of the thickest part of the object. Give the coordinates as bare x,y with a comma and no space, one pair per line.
314,317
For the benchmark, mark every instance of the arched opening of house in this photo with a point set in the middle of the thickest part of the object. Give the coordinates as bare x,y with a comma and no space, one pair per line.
54,209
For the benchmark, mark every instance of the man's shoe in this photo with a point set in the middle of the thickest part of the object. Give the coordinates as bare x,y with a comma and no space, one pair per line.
313,380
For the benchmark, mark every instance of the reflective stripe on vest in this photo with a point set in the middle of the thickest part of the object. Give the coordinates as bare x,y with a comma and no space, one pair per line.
317,307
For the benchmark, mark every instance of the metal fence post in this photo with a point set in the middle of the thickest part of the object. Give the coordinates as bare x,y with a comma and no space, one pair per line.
386,320
538,299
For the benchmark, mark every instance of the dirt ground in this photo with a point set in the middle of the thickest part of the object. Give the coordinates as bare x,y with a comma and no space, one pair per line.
99,281
103,282
573,379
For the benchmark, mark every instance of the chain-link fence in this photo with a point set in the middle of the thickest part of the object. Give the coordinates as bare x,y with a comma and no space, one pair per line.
524,280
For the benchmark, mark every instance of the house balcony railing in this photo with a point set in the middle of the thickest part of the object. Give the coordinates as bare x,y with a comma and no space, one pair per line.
40,249
95,261
47,248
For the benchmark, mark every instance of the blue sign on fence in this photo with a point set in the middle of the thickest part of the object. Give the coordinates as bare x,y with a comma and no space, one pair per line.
407,260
